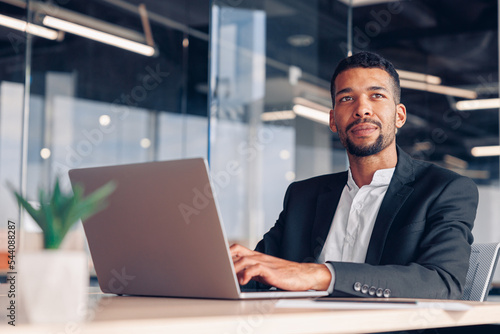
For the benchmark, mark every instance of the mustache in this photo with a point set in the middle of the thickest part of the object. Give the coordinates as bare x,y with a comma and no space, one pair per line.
363,120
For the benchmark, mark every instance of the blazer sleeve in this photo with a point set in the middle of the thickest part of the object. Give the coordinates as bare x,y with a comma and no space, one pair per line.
434,258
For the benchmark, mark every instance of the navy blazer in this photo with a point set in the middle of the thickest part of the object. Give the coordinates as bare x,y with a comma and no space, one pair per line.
420,245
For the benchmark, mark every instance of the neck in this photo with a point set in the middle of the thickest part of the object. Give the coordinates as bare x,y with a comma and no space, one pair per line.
363,168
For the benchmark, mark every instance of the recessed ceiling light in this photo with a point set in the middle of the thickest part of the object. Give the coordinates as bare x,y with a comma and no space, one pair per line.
145,142
104,120
45,153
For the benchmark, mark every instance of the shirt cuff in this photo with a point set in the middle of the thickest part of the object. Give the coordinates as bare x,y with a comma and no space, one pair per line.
332,282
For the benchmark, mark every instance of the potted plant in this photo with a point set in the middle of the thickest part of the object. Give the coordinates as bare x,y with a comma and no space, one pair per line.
53,283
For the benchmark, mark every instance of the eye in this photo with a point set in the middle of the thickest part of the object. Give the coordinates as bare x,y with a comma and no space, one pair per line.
378,96
345,99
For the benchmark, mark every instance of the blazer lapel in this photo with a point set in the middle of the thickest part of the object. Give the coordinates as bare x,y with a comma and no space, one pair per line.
397,193
325,210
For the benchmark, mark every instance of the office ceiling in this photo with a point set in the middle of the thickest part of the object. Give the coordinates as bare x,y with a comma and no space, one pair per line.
456,40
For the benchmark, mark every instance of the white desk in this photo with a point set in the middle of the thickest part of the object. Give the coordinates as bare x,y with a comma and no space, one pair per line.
113,314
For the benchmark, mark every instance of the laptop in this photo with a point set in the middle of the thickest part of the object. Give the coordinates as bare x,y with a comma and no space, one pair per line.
161,233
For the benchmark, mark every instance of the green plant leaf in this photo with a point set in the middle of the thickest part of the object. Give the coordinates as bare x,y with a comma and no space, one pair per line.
36,214
59,211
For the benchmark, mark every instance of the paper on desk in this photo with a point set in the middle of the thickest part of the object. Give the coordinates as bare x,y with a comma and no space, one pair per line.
352,305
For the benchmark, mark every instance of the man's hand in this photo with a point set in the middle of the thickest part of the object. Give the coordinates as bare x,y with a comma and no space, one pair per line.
283,274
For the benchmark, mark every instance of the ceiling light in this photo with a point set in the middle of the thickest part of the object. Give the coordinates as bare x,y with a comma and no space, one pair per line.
45,153
271,116
485,151
312,114
29,28
99,36
359,3
145,142
422,146
300,41
445,90
419,77
290,176
311,110
285,154
478,104
104,120
311,104
455,162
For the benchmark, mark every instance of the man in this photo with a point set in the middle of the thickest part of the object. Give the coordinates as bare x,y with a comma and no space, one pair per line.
390,226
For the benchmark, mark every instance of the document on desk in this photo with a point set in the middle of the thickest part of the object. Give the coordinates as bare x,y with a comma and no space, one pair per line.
360,304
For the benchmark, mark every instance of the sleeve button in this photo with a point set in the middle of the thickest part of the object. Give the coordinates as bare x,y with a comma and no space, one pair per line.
387,293
380,292
372,291
365,288
357,286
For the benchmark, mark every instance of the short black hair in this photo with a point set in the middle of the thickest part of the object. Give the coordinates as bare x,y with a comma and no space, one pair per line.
367,59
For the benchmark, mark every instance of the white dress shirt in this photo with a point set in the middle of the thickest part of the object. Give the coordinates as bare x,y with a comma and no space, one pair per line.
353,222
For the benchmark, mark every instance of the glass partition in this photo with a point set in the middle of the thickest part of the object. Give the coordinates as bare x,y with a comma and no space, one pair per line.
110,82
13,48
271,63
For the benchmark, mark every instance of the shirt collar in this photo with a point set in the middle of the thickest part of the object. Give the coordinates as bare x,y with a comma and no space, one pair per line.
382,177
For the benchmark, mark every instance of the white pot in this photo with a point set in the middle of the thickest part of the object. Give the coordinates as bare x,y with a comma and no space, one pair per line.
53,286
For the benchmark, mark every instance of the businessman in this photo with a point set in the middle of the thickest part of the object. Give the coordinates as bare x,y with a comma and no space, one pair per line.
389,226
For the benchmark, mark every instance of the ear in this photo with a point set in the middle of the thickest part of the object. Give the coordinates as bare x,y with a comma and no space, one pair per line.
400,115
333,127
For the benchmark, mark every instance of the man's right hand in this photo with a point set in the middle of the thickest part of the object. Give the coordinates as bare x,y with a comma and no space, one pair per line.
282,274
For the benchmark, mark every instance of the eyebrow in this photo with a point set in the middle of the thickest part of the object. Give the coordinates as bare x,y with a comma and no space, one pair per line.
371,88
375,88
343,91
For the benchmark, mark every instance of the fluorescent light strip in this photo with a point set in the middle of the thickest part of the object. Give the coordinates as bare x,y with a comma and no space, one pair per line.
478,104
312,114
99,36
29,28
445,90
485,151
277,115
432,79
313,105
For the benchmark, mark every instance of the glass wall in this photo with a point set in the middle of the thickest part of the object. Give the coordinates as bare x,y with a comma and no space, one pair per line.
87,102
12,76
270,60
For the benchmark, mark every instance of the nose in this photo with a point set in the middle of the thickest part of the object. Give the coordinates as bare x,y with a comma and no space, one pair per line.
363,108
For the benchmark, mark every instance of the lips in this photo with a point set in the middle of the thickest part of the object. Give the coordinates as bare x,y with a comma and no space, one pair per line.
363,129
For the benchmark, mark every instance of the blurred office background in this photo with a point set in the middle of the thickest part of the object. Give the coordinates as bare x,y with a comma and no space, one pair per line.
243,83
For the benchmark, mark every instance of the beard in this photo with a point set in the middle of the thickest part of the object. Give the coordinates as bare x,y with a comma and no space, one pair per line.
363,151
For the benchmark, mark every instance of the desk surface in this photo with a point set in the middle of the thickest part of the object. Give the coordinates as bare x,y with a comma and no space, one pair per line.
113,314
